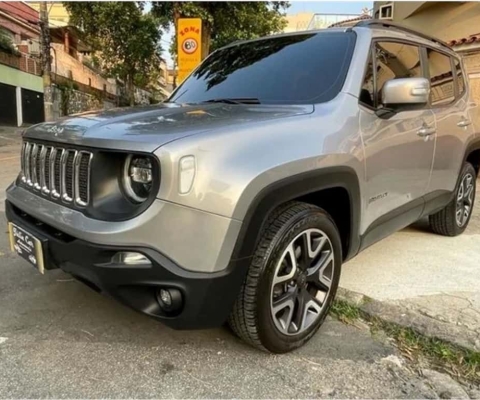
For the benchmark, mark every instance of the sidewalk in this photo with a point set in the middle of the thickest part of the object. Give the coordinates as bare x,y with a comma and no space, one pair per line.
10,143
425,277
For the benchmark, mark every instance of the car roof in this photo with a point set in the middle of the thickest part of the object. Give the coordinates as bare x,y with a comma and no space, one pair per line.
363,27
289,34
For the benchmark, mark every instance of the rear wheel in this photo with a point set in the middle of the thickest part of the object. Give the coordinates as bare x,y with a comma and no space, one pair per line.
453,219
291,281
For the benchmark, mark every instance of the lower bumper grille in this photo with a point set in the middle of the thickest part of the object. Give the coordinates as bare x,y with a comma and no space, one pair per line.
57,172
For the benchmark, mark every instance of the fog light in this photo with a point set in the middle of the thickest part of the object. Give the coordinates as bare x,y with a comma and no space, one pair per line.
131,258
170,299
165,297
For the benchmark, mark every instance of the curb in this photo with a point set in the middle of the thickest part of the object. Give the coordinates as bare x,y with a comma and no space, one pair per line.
407,318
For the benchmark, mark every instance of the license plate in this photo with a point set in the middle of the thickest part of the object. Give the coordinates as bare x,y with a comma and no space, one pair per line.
26,246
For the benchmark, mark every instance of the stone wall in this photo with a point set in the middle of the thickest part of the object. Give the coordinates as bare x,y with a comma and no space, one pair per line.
68,102
142,96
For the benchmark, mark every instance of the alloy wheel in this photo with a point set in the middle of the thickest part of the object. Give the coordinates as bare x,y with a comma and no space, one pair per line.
464,200
302,282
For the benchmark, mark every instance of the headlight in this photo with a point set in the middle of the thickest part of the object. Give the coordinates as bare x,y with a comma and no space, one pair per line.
138,177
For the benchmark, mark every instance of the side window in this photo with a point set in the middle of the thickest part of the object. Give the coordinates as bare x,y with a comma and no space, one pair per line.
394,61
367,93
460,77
441,78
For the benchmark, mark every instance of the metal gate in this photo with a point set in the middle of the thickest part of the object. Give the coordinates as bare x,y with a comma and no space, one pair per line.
8,105
32,107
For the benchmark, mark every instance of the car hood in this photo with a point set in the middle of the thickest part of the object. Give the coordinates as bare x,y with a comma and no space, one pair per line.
149,127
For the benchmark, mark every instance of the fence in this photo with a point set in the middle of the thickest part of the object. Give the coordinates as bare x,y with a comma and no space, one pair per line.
21,61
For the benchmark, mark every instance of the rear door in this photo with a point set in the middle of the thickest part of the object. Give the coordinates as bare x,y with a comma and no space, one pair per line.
398,156
449,102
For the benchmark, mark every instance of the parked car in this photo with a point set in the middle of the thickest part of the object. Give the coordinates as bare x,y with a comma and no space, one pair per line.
239,198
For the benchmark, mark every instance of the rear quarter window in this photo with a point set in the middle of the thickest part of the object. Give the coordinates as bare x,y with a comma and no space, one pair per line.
441,78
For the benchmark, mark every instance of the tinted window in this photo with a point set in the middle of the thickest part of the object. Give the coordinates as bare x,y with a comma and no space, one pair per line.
367,93
441,78
460,77
306,68
394,61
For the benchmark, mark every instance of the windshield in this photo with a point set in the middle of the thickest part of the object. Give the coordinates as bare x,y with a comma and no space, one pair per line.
297,69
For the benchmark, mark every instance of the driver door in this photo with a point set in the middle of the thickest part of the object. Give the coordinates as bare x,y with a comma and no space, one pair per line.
398,150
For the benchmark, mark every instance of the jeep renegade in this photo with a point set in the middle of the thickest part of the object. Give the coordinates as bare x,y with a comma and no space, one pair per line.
240,197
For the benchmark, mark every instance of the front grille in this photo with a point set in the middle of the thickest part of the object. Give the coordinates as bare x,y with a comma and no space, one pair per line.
58,172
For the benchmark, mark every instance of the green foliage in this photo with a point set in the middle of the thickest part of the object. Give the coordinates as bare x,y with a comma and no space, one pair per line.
6,43
344,311
66,88
126,38
226,22
461,363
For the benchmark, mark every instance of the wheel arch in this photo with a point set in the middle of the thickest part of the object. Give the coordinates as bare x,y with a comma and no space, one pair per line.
473,157
472,154
311,187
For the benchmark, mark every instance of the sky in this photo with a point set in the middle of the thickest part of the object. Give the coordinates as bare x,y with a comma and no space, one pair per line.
323,7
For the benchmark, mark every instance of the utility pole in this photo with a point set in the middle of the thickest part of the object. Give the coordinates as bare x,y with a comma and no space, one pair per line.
46,62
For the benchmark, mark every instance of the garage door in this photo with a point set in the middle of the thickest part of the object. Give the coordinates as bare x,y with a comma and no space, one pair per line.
8,105
32,106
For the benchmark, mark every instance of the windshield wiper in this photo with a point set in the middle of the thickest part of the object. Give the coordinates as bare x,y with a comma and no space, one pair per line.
247,100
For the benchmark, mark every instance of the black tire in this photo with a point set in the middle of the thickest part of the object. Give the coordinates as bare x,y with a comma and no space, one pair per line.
444,222
251,318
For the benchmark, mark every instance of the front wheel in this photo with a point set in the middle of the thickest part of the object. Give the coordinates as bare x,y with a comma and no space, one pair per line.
291,281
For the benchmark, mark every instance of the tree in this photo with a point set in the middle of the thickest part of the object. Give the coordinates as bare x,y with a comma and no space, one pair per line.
225,22
125,36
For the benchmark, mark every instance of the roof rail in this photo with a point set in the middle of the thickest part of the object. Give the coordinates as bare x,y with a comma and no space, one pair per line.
386,24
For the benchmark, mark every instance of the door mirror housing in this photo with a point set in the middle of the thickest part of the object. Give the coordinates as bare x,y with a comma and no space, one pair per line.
405,94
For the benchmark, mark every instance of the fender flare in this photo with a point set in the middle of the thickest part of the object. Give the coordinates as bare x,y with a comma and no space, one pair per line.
473,145
291,188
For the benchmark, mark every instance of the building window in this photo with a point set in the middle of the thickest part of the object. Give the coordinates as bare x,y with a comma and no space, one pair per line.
89,82
386,12
441,78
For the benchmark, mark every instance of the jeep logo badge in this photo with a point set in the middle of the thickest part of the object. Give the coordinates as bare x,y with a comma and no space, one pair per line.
55,130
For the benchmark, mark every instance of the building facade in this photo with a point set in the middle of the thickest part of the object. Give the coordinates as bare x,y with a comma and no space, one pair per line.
21,87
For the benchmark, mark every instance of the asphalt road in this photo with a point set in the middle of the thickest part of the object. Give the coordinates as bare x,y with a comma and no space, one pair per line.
60,339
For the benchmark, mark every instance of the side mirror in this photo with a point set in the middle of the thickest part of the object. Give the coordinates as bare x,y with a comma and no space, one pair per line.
405,94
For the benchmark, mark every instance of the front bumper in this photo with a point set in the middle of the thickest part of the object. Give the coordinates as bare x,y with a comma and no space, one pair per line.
207,297
194,240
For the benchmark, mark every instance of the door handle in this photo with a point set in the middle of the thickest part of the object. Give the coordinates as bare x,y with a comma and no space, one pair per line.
426,131
464,123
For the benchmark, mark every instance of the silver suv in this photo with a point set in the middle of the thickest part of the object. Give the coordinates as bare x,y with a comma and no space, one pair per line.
239,198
